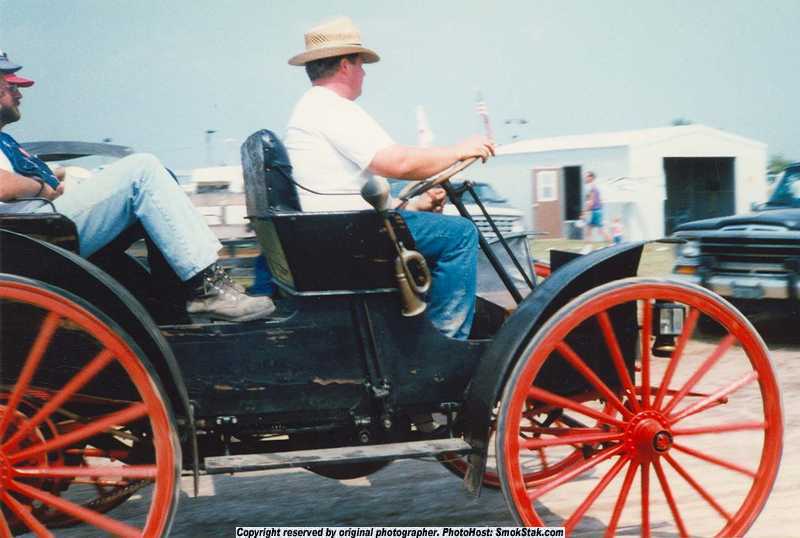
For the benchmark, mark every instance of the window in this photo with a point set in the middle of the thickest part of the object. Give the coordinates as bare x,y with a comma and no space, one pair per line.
546,186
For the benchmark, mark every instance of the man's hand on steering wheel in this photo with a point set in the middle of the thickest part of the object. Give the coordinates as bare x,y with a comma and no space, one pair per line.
476,146
432,200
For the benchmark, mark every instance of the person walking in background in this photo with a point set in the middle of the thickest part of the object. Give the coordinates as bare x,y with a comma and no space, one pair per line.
593,210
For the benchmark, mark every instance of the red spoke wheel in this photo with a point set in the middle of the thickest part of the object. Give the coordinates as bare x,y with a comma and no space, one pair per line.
84,421
694,444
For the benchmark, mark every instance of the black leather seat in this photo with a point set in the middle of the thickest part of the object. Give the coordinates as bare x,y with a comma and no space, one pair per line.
313,253
54,228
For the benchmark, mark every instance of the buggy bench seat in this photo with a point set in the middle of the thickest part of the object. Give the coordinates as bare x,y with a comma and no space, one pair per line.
53,228
340,252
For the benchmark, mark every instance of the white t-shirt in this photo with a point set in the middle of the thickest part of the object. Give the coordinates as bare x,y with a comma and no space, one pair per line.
5,164
331,141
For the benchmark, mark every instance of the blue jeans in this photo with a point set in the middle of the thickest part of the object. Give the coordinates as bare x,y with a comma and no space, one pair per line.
450,246
139,188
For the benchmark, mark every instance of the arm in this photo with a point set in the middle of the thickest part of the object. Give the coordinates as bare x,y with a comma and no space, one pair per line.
405,162
16,186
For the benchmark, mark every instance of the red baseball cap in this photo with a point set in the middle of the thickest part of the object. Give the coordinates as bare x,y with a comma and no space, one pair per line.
16,80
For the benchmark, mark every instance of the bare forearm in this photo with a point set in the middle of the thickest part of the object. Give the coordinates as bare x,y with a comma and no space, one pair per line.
16,186
405,162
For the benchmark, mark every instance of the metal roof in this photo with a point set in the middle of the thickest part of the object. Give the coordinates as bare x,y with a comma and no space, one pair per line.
640,137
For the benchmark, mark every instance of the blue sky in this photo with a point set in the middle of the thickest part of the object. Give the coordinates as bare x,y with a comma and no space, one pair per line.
156,75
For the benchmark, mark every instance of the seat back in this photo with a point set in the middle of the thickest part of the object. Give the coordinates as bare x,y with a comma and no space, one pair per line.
314,253
268,175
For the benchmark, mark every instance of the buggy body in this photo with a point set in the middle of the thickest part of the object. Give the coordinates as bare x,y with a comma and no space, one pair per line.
110,389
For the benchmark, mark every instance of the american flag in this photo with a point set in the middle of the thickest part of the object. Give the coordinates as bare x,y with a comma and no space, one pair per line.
483,112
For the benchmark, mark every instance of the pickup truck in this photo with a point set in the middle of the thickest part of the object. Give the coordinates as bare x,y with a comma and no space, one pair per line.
752,257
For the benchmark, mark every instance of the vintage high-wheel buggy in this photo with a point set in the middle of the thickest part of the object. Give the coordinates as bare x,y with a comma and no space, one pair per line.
594,403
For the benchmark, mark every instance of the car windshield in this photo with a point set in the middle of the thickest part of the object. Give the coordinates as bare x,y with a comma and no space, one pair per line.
487,194
787,193
484,191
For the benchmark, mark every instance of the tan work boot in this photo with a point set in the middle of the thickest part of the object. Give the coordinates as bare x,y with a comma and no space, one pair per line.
217,296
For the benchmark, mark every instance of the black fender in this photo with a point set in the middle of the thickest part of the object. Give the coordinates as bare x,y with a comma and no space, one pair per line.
572,279
28,257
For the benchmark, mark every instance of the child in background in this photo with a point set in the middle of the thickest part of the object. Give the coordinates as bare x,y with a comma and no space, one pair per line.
616,231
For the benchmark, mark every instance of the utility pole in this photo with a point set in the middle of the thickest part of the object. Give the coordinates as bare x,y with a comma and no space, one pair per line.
209,147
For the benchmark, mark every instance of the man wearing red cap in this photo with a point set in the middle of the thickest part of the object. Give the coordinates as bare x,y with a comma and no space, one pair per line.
134,190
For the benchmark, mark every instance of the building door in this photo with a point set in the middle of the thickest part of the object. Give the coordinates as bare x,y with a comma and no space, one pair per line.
697,188
547,213
573,201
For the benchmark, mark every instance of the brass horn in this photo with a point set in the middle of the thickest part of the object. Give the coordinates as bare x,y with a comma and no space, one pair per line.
411,289
412,285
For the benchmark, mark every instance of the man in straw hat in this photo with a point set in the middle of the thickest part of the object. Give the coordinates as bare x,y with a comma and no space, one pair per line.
136,190
335,146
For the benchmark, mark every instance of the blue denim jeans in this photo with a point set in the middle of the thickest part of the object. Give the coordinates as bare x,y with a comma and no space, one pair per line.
138,187
450,246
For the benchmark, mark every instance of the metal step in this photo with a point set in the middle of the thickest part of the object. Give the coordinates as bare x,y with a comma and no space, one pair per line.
347,454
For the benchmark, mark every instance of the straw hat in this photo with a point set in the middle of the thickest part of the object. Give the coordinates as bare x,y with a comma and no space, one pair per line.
336,37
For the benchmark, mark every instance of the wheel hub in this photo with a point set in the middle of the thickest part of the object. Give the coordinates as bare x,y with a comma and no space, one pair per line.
648,436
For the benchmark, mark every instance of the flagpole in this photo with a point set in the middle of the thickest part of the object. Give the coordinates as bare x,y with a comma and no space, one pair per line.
483,112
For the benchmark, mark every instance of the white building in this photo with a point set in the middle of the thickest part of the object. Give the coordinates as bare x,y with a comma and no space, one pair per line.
652,179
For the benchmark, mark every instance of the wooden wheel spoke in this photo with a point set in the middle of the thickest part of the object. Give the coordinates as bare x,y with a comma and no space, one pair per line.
616,356
579,364
709,363
647,329
688,330
5,532
645,486
623,496
559,401
118,418
697,487
25,515
123,471
84,514
40,345
721,393
673,506
575,470
715,460
576,439
721,428
86,374
541,430
576,516
543,458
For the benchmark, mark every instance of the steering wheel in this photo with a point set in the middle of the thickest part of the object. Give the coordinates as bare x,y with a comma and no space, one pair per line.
418,187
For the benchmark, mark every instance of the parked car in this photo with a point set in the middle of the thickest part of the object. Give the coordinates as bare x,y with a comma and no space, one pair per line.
507,218
752,257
